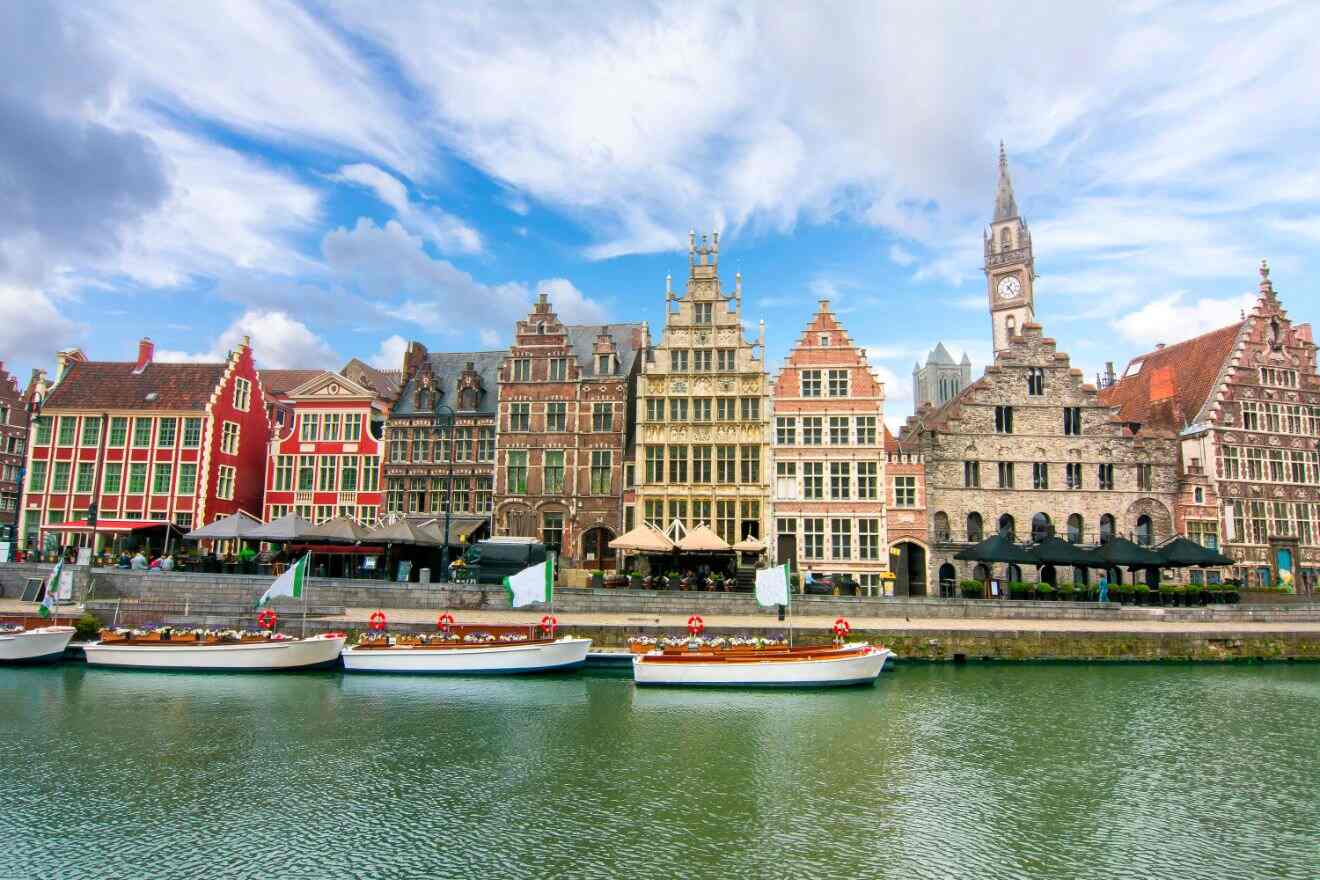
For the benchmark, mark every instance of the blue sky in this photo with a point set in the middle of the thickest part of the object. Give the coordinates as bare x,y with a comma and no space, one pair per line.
335,178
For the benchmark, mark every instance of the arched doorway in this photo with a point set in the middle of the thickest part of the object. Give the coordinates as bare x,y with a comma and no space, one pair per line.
948,580
1049,576
1076,527
981,572
596,550
909,569
1041,527
1007,527
1014,573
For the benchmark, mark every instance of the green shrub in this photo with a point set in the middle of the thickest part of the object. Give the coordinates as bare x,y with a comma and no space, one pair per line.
1140,589
87,627
1044,589
972,589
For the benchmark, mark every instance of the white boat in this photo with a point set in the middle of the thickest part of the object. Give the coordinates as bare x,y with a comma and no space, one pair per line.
801,667
41,645
494,658
264,655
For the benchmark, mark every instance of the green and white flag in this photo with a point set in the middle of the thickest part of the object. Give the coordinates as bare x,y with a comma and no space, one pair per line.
534,584
772,585
288,584
52,589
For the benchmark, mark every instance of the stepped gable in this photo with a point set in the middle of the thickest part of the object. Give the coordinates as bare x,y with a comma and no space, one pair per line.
119,385
385,383
451,372
1172,382
840,344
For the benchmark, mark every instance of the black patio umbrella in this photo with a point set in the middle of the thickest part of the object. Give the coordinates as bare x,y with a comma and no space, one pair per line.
1117,551
997,548
1183,553
1056,551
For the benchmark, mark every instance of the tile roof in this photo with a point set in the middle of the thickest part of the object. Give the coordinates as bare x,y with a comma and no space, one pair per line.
281,382
1171,384
114,385
582,339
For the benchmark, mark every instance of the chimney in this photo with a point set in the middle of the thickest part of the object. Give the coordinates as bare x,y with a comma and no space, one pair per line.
146,350
65,359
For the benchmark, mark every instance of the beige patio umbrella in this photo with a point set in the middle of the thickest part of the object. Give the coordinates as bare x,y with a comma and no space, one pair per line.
749,545
643,539
702,539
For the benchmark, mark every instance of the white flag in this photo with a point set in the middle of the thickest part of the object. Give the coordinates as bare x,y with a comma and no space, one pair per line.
48,601
534,584
772,585
288,584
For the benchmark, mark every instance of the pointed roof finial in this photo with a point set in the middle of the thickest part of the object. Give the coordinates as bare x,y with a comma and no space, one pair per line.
1266,286
1005,205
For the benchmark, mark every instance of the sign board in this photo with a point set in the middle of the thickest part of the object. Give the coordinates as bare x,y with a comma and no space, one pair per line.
369,563
994,588
66,586
4,551
405,569
84,556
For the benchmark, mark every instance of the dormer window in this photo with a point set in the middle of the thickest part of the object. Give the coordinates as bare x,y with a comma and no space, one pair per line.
603,365
467,399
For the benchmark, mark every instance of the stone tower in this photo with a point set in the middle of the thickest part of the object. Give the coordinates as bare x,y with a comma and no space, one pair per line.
940,380
1009,266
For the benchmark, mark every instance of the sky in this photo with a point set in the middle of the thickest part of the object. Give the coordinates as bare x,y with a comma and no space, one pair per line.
333,179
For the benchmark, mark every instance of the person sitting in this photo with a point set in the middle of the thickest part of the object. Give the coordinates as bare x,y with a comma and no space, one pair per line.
139,562
155,564
124,560
167,563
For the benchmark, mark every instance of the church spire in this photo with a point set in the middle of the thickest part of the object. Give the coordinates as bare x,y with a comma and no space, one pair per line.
1005,205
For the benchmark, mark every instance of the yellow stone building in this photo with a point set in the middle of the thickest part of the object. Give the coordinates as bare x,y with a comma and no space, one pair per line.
703,412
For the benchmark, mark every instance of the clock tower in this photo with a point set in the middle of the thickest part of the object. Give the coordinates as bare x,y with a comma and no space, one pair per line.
1009,266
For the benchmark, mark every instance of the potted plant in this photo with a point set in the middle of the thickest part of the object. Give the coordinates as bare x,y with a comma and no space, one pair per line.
1019,590
1065,591
634,580
597,579
1044,591
717,582
1140,594
972,589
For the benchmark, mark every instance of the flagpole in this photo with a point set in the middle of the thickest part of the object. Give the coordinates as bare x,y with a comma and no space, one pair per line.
306,585
789,596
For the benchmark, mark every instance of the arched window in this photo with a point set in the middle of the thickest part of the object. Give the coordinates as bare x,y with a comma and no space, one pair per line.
1005,239
1040,527
1007,527
1106,527
1014,573
941,526
1144,530
981,572
1075,528
1048,575
975,528
1198,495
1011,324
540,328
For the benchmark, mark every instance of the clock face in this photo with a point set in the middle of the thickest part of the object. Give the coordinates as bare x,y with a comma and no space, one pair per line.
1009,287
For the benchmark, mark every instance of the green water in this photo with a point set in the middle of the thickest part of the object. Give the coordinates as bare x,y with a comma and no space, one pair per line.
982,771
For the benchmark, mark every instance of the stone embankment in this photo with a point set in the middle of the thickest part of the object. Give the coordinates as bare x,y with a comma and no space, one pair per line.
935,629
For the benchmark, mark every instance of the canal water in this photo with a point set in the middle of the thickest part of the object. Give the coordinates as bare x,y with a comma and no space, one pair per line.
979,771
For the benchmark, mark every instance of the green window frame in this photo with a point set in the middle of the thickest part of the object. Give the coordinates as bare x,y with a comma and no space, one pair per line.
85,478
59,480
141,433
113,478
118,431
554,471
91,431
192,433
166,433
160,479
137,478
68,429
187,485
517,472
43,430
37,477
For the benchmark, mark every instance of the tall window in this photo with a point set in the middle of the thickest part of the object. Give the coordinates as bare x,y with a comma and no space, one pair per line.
702,312
838,383
972,474
160,479
678,360
229,438
811,383
1145,477
1004,419
242,394
726,409
86,476
866,433
522,370
813,538
678,458
486,444
701,409
701,360
1041,527
655,464
112,480
1250,416
868,539
520,417
724,360
701,464
137,477
868,479
552,531
118,431
1073,475
1106,476
352,427
91,431
141,433
975,528
841,538
725,516
309,430
1145,531
813,431
306,473
751,409
330,431
60,477
556,416
326,473
602,466
1072,420
726,464
69,427
750,460
224,483
1076,529
838,430
516,471
813,480
840,480
554,471
602,417
1035,381
905,491
283,473
604,364
1006,475
1040,475
192,433
786,480
371,474
655,409
678,409
165,432
558,369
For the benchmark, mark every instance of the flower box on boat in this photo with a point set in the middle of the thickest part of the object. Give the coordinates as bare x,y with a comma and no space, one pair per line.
467,650
226,651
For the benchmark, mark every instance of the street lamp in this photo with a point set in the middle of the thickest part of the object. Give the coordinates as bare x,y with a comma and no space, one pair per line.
449,486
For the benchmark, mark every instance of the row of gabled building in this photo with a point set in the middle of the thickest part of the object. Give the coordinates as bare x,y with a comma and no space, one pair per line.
576,434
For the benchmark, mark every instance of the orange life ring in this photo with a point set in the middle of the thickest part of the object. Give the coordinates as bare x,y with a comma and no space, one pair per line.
444,622
842,628
267,619
696,626
549,624
377,620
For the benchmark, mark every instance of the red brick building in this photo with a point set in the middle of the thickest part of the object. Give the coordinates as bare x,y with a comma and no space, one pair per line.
1245,403
13,446
325,461
148,443
906,522
565,428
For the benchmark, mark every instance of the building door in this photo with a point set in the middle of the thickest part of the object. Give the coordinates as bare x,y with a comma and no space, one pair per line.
909,570
787,551
948,581
596,550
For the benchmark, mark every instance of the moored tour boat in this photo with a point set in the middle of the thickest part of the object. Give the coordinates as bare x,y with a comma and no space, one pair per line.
467,650
207,651
841,665
43,644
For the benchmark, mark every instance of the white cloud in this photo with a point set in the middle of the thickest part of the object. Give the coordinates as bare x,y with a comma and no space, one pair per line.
447,232
390,354
278,342
490,338
901,256
570,304
31,326
1174,318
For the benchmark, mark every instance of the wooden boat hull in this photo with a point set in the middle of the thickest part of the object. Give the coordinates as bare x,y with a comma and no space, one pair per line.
849,668
41,645
309,653
498,659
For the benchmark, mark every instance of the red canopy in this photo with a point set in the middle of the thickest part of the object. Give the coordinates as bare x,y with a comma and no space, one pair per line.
108,525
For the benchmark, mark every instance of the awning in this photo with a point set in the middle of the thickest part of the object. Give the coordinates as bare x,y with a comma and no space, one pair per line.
1181,553
702,540
290,527
109,525
1116,551
340,530
337,549
643,539
404,532
1056,551
997,548
461,528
